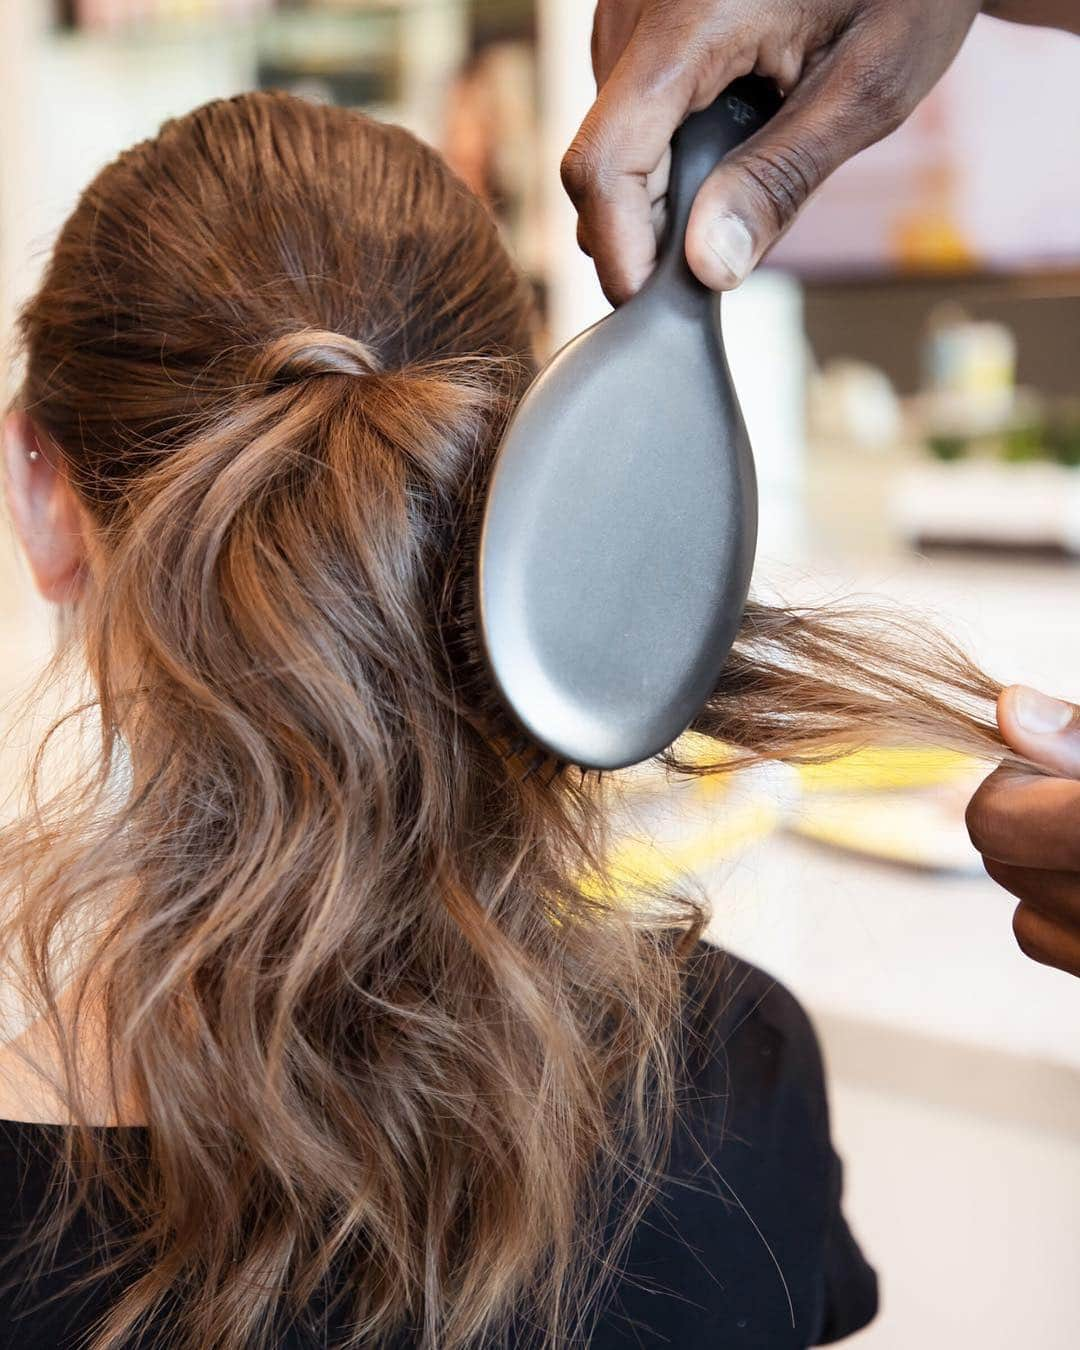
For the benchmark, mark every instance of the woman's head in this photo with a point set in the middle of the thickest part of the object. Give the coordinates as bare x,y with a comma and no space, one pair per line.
334,931
185,277
300,281
356,969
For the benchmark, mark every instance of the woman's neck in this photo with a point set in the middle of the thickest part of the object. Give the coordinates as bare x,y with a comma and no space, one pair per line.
32,1080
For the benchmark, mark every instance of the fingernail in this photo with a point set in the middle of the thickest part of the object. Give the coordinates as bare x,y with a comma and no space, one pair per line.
731,241
1040,715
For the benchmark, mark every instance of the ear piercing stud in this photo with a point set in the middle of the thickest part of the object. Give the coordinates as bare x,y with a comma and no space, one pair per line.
33,456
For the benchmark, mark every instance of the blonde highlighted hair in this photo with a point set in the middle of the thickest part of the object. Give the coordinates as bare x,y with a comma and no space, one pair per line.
392,1054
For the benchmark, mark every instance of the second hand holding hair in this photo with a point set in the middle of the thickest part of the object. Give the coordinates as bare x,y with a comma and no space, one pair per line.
1025,825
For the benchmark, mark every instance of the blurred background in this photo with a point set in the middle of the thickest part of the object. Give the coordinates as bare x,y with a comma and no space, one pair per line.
909,365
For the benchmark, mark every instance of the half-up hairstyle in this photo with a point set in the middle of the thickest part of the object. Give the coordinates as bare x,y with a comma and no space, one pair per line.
391,1049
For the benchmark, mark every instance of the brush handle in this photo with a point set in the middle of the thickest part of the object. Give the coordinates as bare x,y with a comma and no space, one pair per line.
697,148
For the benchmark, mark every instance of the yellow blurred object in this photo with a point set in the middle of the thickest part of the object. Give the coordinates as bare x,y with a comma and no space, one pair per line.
924,832
932,243
928,235
641,864
700,749
875,769
882,802
887,770
651,776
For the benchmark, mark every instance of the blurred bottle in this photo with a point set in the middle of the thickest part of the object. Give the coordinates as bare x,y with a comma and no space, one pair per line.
969,372
927,236
853,403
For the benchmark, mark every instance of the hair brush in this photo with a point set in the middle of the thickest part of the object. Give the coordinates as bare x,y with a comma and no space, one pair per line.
619,531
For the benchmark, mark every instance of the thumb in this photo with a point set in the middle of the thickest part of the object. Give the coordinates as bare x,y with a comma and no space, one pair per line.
1043,729
748,202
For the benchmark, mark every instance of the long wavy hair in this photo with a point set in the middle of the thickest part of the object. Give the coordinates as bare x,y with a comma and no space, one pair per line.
394,1044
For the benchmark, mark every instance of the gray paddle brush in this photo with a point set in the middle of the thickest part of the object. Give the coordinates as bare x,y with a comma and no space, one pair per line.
619,532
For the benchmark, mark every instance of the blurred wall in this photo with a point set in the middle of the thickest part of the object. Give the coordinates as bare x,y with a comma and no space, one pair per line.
962,1176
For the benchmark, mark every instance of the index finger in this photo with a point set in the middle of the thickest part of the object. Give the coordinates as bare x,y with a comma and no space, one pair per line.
1027,820
613,26
622,142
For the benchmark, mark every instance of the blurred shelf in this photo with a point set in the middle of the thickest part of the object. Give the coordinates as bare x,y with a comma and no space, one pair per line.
1044,281
124,19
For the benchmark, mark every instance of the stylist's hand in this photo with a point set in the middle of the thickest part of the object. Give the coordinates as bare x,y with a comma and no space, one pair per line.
853,71
1027,826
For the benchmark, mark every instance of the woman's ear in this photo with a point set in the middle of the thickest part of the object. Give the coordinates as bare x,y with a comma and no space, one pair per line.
49,522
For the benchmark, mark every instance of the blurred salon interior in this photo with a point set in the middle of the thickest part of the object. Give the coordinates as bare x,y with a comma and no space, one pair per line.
908,362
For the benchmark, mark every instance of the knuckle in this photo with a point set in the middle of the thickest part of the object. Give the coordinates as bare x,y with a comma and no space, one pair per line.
996,871
688,46
580,169
664,80
716,52
1068,846
783,177
1030,932
880,92
980,819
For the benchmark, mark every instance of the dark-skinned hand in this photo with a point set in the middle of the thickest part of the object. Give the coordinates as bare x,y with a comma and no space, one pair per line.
852,70
1027,825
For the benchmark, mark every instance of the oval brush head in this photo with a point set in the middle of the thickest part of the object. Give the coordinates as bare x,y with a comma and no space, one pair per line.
619,532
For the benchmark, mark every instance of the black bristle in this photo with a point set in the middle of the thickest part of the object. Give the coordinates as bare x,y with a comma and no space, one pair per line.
538,760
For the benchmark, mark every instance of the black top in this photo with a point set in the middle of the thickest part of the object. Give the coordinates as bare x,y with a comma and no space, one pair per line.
745,1247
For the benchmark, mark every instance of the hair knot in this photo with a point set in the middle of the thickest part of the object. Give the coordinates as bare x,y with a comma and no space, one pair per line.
311,352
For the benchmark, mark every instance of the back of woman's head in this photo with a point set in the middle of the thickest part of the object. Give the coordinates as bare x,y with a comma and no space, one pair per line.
389,1034
273,352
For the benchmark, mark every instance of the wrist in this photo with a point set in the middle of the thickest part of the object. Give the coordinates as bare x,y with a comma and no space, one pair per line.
1040,13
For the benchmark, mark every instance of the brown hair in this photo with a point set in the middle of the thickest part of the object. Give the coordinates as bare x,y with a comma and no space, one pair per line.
387,1041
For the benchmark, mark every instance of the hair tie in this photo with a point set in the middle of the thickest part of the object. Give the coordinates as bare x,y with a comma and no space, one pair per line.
311,352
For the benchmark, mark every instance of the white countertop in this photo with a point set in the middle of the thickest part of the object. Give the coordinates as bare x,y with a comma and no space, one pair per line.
920,951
